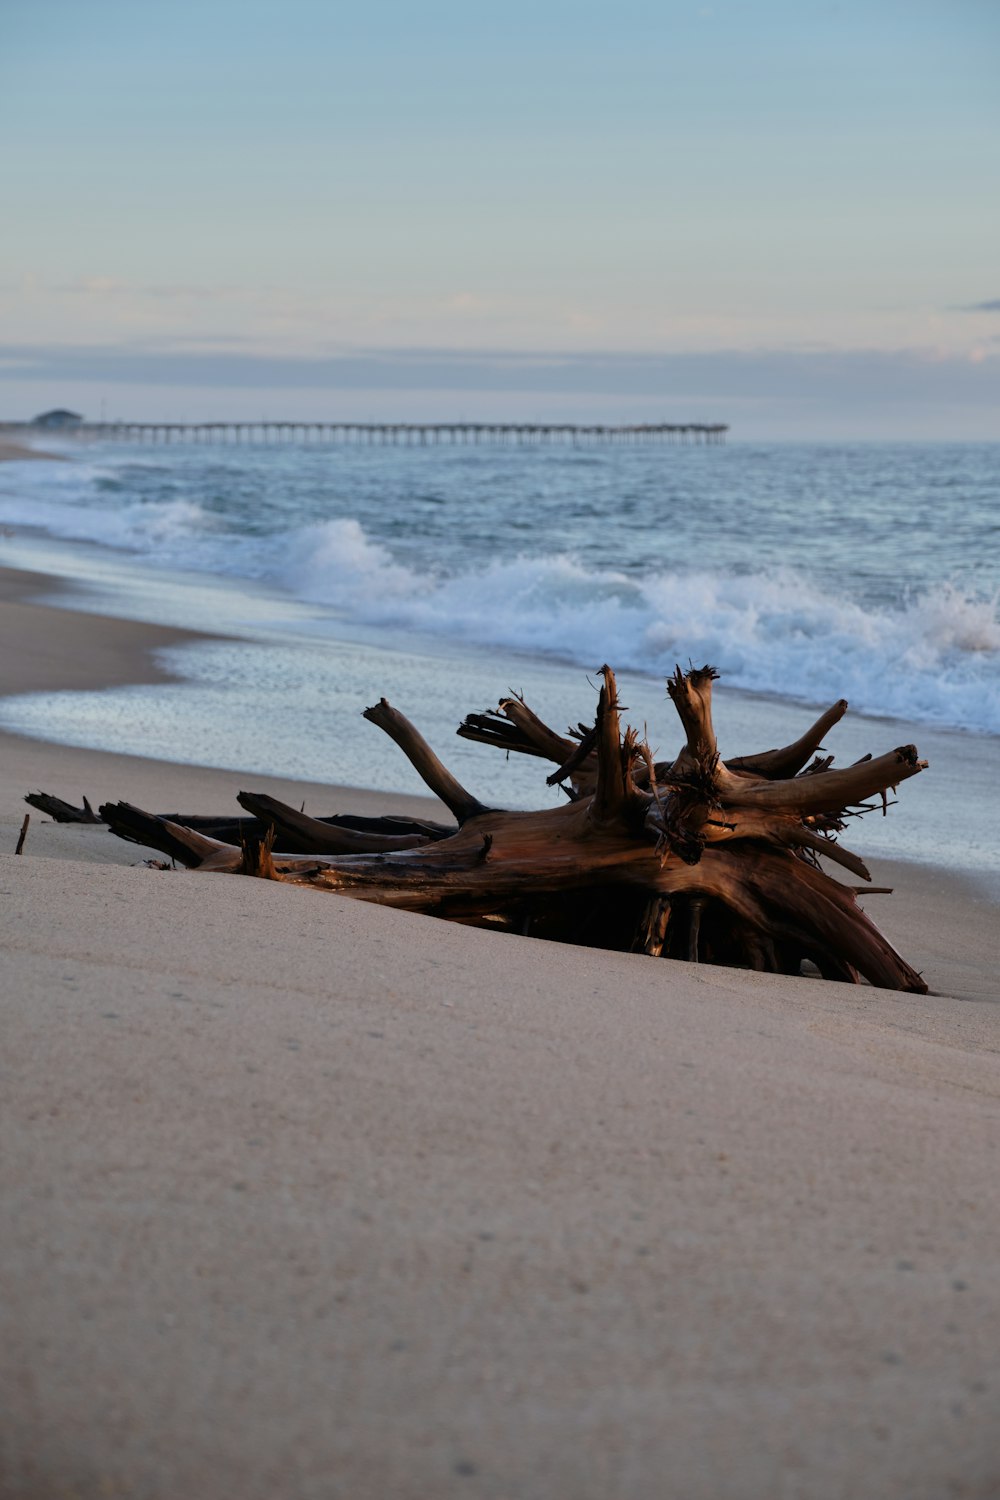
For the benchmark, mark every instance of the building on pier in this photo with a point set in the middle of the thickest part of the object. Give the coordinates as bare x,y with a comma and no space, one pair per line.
58,420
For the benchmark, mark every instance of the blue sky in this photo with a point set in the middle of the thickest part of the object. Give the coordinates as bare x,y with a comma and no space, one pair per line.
783,215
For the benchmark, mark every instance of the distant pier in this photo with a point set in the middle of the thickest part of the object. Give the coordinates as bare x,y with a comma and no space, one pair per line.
405,434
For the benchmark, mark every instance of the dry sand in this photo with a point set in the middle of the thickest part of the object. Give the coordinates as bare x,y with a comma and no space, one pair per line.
306,1198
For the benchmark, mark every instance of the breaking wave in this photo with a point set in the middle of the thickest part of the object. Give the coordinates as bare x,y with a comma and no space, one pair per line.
934,657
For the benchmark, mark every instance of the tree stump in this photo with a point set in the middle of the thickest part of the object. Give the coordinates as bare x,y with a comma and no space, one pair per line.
699,858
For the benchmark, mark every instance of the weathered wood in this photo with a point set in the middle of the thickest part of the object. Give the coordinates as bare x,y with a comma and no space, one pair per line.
460,803
301,834
60,811
537,735
790,760
709,860
237,831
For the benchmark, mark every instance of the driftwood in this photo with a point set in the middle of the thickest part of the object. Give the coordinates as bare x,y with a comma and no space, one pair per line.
696,858
60,811
235,830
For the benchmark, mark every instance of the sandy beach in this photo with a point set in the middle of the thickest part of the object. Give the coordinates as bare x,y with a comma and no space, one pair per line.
12,450
306,1198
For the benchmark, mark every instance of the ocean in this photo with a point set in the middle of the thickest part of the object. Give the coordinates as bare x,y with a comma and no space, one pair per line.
442,578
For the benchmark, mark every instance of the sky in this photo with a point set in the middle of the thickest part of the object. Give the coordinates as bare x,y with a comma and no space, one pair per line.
781,214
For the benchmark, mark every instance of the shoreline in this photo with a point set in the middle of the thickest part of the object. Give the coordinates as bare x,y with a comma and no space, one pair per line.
22,452
62,648
528,1218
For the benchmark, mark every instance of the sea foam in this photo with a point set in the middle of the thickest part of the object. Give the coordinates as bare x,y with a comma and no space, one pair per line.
935,657
930,653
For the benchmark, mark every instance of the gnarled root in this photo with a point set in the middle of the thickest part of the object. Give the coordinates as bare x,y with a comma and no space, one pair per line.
699,858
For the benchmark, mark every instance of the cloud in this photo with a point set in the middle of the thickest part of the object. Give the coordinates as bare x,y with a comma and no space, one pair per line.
867,378
992,305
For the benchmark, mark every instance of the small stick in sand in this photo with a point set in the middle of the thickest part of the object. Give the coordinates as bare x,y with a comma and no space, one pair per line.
24,834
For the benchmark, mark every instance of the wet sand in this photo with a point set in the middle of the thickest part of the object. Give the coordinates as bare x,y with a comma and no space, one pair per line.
14,451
